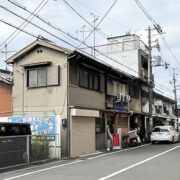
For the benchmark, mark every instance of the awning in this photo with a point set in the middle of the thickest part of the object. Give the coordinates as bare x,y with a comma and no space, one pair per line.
46,63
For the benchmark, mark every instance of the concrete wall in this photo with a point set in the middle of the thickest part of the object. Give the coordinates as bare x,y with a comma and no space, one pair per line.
42,100
5,99
128,59
135,104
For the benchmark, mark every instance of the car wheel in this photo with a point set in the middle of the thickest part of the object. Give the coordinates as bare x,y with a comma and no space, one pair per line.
153,142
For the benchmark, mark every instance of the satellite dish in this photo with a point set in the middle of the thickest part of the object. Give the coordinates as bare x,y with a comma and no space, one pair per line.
158,61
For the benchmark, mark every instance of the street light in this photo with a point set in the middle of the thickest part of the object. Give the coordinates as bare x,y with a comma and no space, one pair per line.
21,72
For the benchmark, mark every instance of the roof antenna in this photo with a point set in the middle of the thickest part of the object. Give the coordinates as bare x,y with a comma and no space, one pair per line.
43,39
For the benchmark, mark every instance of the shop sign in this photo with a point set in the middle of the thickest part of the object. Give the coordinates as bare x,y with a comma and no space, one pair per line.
119,107
116,141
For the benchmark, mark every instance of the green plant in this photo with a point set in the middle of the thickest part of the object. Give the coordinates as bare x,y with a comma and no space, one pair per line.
39,150
157,121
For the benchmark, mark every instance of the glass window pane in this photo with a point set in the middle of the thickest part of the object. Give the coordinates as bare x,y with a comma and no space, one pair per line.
96,83
91,86
84,79
41,77
32,78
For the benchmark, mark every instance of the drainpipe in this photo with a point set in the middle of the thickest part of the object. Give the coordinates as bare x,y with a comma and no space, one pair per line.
131,113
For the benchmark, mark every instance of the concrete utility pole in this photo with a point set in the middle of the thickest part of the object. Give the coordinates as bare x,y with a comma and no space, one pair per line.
175,96
150,79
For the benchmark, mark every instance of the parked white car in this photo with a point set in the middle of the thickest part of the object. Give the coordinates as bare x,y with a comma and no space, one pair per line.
164,133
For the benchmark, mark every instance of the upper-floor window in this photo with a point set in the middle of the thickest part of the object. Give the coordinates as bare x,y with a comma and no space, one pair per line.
134,91
89,80
144,62
46,76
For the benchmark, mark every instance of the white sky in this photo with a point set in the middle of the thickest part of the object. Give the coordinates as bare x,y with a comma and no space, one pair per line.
124,16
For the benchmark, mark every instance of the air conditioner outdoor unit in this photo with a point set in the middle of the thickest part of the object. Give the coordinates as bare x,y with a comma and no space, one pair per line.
123,98
127,98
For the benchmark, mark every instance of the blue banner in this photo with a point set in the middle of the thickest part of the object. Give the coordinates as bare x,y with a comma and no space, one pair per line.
40,125
119,107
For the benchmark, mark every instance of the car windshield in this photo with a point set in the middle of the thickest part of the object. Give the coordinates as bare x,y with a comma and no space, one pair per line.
158,129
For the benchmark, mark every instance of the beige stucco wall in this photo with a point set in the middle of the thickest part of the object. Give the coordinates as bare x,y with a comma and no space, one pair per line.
47,100
82,135
44,100
135,104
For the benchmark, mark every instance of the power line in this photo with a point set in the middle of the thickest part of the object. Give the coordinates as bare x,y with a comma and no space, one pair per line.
39,27
71,45
1,20
66,33
158,29
167,95
22,7
94,28
40,6
74,46
145,12
90,8
44,21
100,21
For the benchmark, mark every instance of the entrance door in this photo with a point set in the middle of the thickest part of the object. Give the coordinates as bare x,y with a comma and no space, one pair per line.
100,133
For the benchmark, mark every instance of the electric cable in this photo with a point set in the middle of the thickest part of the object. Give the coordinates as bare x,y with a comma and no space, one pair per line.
111,58
40,6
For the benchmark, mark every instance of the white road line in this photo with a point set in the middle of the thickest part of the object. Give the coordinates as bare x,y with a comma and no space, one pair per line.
41,170
45,169
118,151
29,168
91,154
137,164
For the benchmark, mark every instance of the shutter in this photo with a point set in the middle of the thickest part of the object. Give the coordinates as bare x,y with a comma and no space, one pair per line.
53,76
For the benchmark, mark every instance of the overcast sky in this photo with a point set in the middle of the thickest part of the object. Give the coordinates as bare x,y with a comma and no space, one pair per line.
124,16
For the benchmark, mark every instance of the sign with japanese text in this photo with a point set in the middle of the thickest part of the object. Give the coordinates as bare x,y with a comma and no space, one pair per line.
40,125
116,141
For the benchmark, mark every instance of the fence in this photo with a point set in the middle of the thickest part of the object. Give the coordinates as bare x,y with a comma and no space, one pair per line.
22,150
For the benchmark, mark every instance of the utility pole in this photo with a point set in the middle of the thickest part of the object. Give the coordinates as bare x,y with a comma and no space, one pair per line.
150,79
175,96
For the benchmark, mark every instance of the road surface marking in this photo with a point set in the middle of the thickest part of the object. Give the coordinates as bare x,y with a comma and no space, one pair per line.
41,170
137,164
91,154
29,168
45,169
118,151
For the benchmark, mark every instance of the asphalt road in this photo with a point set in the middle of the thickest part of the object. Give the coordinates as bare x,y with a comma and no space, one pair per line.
147,162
